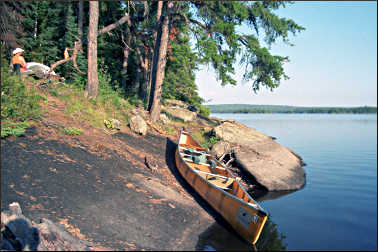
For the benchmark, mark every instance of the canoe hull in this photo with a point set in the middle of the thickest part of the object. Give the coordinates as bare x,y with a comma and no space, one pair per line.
245,219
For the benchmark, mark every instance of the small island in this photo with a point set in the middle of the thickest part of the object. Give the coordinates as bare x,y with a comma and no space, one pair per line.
271,109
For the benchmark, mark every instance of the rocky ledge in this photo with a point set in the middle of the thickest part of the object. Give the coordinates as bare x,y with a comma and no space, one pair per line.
274,166
271,165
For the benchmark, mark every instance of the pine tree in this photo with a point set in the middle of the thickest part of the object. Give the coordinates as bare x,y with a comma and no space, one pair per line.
71,34
42,31
218,42
179,81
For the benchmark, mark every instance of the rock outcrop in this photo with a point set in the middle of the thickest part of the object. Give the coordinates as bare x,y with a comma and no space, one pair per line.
138,125
180,110
164,118
180,113
141,112
274,166
220,148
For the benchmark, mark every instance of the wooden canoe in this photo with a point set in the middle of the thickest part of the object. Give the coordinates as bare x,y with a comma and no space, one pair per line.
220,188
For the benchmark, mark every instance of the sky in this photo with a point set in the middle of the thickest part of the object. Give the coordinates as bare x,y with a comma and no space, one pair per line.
332,63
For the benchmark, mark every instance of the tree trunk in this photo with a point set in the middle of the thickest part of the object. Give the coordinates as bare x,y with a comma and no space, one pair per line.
92,85
137,79
141,68
151,56
126,52
160,59
80,18
145,87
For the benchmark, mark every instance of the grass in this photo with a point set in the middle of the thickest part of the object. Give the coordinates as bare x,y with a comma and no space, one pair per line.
94,111
20,105
169,130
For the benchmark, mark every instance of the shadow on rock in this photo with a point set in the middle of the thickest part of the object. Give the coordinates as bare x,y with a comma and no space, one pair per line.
18,235
220,237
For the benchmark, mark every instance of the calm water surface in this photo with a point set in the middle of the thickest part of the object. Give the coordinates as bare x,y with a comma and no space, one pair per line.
337,209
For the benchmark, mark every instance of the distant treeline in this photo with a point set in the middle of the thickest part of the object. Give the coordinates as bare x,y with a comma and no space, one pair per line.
268,109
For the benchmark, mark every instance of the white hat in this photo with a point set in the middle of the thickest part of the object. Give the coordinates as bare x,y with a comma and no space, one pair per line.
17,50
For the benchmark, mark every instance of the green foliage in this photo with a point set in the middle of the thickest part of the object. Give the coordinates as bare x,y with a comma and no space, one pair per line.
109,92
206,139
71,34
9,128
17,102
213,140
72,131
218,42
42,26
204,111
48,27
109,124
179,81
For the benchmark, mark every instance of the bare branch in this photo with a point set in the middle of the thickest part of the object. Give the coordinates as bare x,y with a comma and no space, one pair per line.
199,23
76,48
114,25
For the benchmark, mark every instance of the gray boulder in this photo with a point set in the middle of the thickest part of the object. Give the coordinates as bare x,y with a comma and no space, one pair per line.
116,123
220,148
180,113
164,118
175,103
141,112
273,165
138,125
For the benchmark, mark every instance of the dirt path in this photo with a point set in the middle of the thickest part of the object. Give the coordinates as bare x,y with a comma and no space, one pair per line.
105,195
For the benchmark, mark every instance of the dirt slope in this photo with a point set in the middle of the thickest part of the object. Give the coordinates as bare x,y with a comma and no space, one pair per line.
99,187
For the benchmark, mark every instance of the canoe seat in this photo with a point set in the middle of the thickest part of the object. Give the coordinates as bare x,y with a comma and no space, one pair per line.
219,181
191,161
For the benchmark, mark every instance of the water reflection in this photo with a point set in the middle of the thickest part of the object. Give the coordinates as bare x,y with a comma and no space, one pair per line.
271,239
222,237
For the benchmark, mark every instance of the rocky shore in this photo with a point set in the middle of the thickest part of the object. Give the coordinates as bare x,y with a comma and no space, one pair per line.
272,165
122,191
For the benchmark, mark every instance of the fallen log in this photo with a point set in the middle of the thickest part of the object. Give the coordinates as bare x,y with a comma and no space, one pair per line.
155,128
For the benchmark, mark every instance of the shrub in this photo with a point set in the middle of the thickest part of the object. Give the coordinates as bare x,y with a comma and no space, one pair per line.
213,140
13,128
72,131
17,102
204,111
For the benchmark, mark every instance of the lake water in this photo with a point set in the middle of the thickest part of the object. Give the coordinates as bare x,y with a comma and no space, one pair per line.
337,208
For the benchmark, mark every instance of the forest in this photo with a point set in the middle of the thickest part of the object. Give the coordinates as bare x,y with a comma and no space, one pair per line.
149,51
268,109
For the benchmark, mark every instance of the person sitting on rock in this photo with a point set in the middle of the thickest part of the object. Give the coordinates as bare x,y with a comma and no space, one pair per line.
18,61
